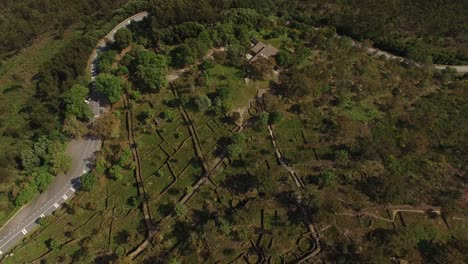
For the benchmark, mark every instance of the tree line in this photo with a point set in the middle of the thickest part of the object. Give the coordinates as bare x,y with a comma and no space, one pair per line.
425,31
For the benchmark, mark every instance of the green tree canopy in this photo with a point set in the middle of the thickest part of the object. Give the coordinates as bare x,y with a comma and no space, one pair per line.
88,182
151,77
123,38
74,102
105,61
150,69
233,150
201,102
25,195
42,179
73,127
295,84
110,86
183,55
274,117
116,172
52,244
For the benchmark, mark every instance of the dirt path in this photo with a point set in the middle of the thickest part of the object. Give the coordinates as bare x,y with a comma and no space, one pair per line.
394,210
176,75
140,185
282,160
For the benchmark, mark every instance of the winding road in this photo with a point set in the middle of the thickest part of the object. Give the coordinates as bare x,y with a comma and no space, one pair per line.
458,68
64,186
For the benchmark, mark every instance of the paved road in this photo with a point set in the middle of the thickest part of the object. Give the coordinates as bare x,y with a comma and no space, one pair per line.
64,186
459,68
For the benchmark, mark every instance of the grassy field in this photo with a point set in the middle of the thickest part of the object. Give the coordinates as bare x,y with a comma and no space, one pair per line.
241,93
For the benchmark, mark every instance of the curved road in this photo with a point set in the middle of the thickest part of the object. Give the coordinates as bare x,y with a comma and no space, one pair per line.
389,56
64,186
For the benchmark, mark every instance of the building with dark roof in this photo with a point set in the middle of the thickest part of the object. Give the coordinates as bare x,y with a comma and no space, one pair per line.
259,49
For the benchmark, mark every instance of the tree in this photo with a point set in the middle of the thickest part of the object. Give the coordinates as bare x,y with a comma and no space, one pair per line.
326,179
135,201
201,44
263,68
151,77
180,210
123,38
73,127
29,160
105,61
223,92
284,58
149,69
233,150
342,157
25,195
262,120
42,221
125,158
42,179
110,86
201,102
183,55
274,118
121,71
238,138
135,95
101,165
52,244
235,55
174,261
240,184
208,64
61,162
116,172
108,126
75,104
88,182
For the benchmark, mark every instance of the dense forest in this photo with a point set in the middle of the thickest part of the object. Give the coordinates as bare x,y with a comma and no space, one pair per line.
362,134
35,103
425,31
21,22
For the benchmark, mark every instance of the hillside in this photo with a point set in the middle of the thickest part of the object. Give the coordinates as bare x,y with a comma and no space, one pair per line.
242,132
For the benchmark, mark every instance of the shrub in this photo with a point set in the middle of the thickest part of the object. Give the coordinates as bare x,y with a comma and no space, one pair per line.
201,103
42,179
135,201
25,195
234,150
180,210
116,172
274,118
52,244
88,182
326,179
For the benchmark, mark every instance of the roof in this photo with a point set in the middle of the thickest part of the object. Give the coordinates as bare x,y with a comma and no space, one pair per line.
260,49
268,51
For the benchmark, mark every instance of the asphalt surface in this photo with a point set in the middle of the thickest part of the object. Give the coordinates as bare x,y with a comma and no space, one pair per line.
64,186
459,68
